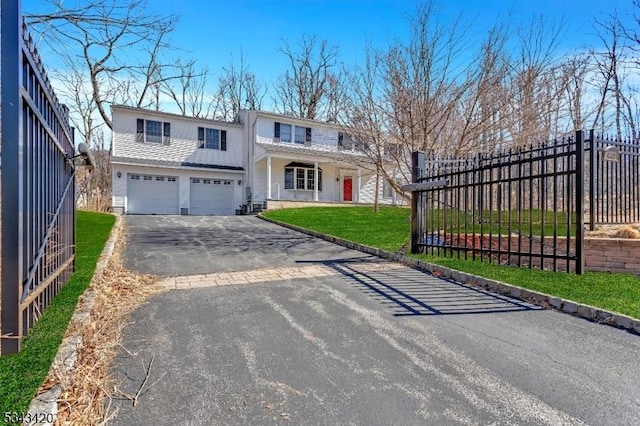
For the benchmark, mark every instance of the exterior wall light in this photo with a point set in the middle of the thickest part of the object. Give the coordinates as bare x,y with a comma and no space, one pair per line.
119,174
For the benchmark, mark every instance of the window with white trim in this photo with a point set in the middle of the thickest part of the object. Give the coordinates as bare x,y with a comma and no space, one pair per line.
152,131
387,189
212,138
301,176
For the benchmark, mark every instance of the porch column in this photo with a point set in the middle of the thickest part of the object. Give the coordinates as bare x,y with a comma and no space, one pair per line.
359,184
268,177
315,181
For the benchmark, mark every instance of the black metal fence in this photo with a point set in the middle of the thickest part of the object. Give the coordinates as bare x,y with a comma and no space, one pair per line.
38,209
614,181
519,207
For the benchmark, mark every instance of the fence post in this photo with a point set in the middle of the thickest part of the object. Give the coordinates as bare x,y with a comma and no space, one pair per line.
593,187
579,200
12,177
417,202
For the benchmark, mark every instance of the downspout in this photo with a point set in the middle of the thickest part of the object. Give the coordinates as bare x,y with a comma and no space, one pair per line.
315,181
251,165
250,178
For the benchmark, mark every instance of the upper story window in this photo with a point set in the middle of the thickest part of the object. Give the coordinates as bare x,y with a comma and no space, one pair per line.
345,141
153,131
282,133
212,138
350,142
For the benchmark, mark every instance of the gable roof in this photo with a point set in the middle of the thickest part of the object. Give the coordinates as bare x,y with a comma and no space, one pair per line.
150,112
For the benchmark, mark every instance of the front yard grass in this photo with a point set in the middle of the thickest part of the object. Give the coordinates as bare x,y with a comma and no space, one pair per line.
22,374
389,230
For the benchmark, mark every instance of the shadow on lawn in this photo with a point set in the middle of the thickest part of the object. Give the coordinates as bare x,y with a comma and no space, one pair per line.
412,292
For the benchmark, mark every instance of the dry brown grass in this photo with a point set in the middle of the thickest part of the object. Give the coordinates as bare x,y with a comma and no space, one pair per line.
631,231
87,390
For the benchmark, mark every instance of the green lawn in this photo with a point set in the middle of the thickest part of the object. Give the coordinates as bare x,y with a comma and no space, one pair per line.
22,374
524,222
389,230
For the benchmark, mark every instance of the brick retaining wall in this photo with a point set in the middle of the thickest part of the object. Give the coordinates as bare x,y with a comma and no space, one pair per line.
612,255
601,254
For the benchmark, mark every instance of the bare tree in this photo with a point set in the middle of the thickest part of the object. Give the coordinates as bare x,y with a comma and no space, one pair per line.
309,86
238,88
408,97
112,51
611,65
187,90
118,43
535,96
575,70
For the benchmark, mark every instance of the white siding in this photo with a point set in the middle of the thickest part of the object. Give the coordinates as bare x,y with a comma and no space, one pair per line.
368,190
321,136
183,145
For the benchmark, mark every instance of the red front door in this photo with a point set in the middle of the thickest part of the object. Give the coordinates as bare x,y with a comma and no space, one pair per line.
347,189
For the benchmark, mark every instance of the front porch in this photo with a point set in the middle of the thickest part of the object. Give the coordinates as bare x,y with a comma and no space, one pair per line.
308,179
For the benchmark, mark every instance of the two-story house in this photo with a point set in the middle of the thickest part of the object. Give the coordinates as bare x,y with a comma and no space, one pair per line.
171,164
165,163
304,160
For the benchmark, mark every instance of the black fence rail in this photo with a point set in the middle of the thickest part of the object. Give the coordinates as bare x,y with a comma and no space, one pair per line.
38,208
614,181
521,207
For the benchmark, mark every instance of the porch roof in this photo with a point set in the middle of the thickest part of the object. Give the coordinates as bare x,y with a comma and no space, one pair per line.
315,151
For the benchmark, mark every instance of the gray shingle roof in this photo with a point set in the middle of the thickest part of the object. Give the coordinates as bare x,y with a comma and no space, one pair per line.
315,150
176,164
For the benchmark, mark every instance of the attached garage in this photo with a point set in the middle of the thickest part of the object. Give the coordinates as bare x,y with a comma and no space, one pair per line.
152,194
212,197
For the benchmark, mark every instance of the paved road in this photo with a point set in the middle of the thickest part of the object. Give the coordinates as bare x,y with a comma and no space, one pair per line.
279,327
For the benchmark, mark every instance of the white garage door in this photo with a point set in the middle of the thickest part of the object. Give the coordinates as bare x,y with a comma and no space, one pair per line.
212,196
151,194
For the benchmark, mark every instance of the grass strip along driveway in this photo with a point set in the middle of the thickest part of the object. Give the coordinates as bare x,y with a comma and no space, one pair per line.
22,374
389,230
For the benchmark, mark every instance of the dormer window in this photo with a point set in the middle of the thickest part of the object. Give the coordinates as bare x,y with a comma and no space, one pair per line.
152,131
212,138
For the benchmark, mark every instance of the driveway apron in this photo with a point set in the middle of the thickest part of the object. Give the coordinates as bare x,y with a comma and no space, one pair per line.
264,325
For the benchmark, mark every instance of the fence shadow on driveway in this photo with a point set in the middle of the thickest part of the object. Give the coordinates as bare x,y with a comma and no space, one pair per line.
411,292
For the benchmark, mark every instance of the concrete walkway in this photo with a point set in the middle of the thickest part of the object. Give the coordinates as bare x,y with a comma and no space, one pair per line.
265,325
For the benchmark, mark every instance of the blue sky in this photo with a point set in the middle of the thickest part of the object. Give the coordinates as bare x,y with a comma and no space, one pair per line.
215,30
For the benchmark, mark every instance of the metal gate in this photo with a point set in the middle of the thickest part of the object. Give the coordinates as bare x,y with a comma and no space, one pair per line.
38,208
521,207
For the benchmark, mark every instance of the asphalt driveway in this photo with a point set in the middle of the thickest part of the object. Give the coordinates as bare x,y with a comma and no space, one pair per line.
273,326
